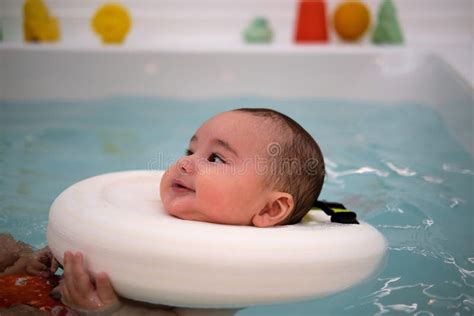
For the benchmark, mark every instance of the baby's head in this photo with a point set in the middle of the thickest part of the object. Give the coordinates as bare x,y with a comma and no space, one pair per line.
245,167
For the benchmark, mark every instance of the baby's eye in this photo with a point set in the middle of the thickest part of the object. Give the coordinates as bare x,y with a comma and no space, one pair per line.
215,158
188,152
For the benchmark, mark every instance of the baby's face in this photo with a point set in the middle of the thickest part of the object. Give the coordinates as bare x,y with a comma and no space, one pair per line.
218,180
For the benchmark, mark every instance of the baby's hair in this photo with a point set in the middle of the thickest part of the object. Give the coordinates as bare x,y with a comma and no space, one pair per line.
296,162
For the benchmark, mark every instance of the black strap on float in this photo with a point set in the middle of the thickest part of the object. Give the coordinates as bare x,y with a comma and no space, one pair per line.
337,211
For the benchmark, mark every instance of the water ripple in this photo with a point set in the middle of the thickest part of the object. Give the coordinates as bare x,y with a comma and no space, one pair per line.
405,172
423,313
330,163
387,289
361,170
454,201
462,300
433,179
455,169
403,307
466,275
428,222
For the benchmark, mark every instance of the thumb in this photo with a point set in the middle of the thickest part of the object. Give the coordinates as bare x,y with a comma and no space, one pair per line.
105,291
54,265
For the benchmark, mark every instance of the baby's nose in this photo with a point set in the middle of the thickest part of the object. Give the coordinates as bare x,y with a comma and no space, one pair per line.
186,165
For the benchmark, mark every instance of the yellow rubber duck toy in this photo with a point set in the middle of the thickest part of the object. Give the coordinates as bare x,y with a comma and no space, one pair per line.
112,23
38,25
351,20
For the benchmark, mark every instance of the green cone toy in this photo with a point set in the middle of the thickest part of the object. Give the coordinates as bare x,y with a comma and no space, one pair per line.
388,29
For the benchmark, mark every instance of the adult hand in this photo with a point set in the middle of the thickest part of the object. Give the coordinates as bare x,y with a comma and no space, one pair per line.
7,260
80,290
42,263
10,251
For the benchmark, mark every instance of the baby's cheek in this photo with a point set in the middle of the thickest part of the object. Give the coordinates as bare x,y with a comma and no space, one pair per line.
166,193
165,185
222,203
210,198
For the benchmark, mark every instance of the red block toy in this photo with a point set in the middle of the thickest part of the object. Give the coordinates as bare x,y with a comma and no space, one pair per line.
311,26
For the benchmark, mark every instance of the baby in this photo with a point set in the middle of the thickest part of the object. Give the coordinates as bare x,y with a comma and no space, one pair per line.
254,167
246,167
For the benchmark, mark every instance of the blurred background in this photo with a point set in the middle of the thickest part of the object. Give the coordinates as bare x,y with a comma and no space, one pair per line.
442,26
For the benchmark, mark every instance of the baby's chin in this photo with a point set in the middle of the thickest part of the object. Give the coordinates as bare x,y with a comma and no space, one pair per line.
169,208
189,215
176,209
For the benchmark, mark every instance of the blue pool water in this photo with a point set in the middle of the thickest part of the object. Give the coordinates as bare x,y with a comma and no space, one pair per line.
396,165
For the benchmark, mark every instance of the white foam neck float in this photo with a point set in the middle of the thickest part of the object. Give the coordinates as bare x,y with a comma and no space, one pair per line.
117,220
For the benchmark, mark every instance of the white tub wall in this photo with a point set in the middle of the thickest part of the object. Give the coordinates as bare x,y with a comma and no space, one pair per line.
443,26
382,76
374,75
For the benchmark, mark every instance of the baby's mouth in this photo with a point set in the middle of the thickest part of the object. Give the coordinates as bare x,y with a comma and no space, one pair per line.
180,187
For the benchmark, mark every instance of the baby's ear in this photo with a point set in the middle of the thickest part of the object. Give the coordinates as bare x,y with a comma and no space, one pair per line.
278,208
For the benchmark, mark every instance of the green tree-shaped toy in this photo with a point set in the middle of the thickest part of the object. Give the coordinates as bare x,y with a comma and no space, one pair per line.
388,30
258,31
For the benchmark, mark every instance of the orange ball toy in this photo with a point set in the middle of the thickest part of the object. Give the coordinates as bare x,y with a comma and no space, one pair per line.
351,20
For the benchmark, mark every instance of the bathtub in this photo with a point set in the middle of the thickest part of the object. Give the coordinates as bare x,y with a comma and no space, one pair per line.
382,77
388,75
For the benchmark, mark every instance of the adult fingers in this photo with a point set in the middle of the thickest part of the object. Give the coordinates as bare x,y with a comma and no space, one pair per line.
36,268
82,281
54,265
105,289
45,258
68,275
55,293
84,291
7,259
65,295
44,255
